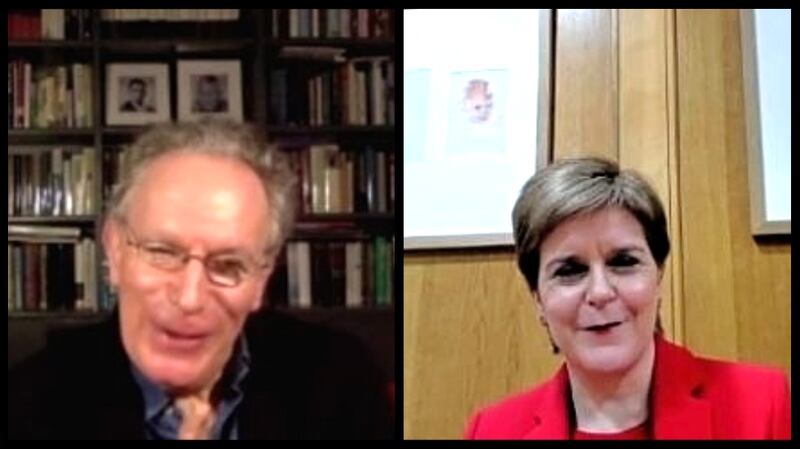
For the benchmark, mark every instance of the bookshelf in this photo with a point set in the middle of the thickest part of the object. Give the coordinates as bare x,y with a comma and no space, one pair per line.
307,116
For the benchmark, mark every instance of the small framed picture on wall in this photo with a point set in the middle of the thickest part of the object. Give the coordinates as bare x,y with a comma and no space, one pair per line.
210,89
137,94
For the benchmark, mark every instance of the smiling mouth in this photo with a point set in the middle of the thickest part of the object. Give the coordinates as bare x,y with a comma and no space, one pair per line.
183,336
602,327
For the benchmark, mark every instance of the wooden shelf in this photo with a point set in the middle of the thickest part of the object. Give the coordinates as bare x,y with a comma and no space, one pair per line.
65,219
55,132
77,315
47,44
332,41
352,46
176,45
329,129
362,217
339,226
122,131
51,138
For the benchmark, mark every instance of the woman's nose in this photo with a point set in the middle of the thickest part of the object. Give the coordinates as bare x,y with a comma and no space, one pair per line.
600,290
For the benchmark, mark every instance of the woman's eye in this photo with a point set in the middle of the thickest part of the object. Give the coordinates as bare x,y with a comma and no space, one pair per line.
569,270
623,260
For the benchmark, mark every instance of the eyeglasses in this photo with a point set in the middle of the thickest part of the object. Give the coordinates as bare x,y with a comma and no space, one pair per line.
224,269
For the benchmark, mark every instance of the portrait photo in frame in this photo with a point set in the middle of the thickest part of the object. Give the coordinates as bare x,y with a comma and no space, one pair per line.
137,94
476,110
210,89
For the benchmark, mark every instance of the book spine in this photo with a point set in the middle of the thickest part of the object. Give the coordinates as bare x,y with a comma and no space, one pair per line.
355,274
304,274
292,275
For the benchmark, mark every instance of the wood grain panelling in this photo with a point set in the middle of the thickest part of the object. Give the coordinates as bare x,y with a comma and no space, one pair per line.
585,121
660,91
471,337
736,291
645,141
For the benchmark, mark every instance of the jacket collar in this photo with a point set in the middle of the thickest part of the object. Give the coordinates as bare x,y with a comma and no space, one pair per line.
679,409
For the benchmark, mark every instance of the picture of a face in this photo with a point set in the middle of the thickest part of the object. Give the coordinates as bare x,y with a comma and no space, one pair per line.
477,101
138,94
209,94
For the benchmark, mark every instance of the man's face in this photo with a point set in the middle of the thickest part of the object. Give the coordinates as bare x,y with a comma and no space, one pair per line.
177,327
137,92
208,94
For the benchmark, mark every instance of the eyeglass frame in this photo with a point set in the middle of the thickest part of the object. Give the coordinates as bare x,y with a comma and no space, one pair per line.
186,256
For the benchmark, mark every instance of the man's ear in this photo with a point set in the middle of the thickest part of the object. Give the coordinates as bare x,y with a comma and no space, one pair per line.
263,288
112,245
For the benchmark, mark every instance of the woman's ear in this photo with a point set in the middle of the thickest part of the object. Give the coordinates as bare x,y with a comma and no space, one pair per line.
539,309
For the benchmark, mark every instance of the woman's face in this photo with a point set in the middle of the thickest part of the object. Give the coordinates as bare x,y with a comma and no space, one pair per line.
598,290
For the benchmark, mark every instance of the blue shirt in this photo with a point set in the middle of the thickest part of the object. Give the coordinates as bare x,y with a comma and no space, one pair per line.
163,419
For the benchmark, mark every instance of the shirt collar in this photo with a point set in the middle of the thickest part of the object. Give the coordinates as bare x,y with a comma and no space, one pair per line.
156,399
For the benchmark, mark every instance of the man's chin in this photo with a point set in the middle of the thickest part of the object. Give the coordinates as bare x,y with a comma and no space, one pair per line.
176,377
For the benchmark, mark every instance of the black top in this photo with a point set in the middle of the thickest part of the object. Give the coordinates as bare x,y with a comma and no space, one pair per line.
305,382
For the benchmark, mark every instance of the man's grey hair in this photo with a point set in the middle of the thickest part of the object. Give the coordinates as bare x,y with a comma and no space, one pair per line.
221,138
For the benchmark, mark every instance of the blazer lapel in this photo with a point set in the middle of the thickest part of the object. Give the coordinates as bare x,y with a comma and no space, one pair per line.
680,409
550,419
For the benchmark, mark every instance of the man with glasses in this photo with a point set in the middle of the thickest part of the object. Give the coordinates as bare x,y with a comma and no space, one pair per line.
191,239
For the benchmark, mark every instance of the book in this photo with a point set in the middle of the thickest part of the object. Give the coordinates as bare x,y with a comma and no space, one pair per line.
313,53
354,297
42,230
10,278
303,254
292,275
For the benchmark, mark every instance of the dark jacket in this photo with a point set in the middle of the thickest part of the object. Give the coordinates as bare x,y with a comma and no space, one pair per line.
305,382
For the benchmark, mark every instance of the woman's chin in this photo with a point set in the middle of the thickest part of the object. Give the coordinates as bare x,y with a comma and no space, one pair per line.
605,359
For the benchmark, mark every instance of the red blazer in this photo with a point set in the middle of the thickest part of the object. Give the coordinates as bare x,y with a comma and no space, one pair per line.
691,398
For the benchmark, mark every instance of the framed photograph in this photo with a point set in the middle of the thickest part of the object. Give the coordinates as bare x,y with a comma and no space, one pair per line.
476,122
210,89
767,74
137,94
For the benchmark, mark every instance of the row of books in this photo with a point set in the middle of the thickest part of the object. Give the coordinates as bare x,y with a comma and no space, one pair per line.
357,92
60,24
49,96
54,182
51,272
332,23
169,15
350,274
343,181
50,24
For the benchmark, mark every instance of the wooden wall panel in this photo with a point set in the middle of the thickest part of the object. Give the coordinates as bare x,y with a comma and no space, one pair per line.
646,143
585,121
471,337
736,290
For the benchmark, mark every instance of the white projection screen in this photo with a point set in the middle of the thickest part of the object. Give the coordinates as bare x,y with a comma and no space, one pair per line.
476,118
